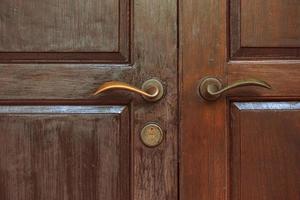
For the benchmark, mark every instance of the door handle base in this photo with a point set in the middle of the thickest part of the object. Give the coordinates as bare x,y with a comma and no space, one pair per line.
205,83
151,86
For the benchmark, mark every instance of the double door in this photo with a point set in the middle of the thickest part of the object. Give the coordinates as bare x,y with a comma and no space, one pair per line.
149,99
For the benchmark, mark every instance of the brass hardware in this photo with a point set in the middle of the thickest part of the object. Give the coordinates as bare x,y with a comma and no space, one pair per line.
211,88
152,135
152,90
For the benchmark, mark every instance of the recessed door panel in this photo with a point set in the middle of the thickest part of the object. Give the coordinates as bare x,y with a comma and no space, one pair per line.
65,30
265,29
64,152
264,150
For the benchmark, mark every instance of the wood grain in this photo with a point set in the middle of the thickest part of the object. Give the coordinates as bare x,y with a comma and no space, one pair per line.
60,26
155,55
202,131
270,23
210,45
65,31
283,76
58,78
264,154
264,29
64,152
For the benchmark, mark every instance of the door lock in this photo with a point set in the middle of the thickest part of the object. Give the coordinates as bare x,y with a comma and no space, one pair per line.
152,135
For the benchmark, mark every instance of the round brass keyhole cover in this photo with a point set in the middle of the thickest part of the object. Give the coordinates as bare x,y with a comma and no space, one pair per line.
152,135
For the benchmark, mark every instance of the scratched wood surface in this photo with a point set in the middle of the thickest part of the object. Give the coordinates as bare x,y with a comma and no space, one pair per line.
61,80
64,152
61,26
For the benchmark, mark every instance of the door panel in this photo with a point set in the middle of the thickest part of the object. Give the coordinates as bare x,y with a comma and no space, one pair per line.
64,152
65,31
264,150
270,23
245,145
58,53
35,26
264,29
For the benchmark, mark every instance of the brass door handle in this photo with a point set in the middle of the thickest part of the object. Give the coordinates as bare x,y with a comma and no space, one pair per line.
152,90
211,88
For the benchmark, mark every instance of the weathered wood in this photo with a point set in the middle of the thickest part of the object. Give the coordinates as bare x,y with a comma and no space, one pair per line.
155,55
64,152
90,31
147,49
60,26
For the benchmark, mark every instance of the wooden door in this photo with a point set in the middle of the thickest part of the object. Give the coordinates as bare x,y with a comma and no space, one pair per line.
246,144
57,140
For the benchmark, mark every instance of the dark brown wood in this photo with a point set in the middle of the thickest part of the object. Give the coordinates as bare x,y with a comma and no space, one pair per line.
61,26
282,75
64,152
264,29
202,130
212,43
264,153
69,57
254,53
39,74
92,32
270,23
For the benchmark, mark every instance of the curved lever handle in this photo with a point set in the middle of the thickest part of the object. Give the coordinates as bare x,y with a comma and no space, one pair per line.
211,88
152,90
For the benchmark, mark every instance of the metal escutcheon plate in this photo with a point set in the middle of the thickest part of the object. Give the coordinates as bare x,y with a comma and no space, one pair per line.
148,85
152,135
